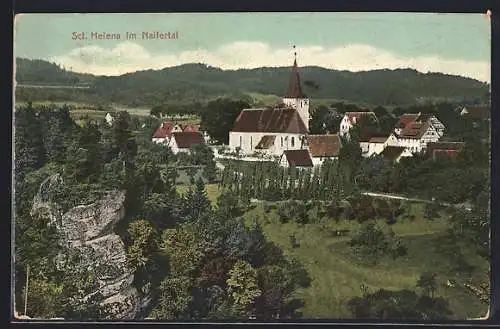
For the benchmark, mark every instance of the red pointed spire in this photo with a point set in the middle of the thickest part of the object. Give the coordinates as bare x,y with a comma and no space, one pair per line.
294,89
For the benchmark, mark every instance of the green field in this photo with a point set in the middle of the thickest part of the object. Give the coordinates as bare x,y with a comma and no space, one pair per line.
337,277
212,190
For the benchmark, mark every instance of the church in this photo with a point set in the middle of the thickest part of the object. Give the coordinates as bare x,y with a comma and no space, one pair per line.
272,130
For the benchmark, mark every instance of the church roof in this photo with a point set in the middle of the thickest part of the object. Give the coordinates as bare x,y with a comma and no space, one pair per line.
294,89
324,145
278,120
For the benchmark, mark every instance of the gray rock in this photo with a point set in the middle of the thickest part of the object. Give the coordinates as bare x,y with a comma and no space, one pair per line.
89,229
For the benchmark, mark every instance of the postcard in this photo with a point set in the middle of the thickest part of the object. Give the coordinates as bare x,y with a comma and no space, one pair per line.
205,167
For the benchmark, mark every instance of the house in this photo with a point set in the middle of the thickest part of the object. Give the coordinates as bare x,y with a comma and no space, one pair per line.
323,147
183,141
297,158
475,112
272,130
163,132
444,149
416,130
395,153
352,118
109,118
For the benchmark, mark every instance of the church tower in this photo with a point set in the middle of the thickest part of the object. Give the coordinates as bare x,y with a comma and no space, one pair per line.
294,96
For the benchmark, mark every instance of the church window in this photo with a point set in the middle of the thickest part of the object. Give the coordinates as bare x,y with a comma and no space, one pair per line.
281,141
240,141
293,141
251,142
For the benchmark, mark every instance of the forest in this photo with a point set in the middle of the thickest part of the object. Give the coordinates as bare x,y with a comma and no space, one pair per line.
191,83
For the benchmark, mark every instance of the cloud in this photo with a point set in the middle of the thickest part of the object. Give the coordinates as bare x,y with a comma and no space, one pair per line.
128,57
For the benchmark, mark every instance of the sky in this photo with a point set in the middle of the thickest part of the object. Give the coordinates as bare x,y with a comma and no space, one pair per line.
456,44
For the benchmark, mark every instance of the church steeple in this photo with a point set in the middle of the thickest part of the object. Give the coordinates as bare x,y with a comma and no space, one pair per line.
294,96
294,89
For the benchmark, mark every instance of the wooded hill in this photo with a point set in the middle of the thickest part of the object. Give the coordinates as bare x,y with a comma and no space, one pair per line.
198,82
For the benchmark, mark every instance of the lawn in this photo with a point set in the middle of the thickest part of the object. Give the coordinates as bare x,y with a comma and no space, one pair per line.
337,277
212,190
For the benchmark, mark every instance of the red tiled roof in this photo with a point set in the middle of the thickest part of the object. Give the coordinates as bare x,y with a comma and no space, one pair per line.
294,89
446,146
279,120
191,128
187,139
406,118
266,142
298,158
415,130
164,131
324,145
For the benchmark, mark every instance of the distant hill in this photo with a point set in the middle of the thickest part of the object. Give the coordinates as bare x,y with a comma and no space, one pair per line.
198,83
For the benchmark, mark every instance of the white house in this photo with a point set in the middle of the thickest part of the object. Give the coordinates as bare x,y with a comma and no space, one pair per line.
163,133
109,118
183,141
352,118
297,158
272,130
323,147
416,135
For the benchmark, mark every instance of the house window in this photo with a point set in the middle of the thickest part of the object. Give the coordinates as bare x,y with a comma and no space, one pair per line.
293,141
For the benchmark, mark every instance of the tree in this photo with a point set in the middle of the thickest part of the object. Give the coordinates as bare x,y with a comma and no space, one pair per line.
242,285
427,282
219,117
174,299
195,202
143,236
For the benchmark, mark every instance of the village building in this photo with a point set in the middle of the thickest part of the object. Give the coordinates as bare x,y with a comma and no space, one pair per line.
323,147
109,119
272,130
375,145
394,154
350,119
296,158
163,133
475,112
415,130
184,141
444,149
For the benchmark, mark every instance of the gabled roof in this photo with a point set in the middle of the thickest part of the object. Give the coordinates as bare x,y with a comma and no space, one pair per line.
476,112
354,117
415,130
164,131
278,120
391,153
406,118
186,140
294,89
298,158
266,142
324,145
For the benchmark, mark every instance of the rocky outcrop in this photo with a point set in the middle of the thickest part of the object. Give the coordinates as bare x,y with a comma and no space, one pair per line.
89,230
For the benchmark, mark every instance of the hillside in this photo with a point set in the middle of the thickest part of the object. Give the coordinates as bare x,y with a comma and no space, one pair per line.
198,82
